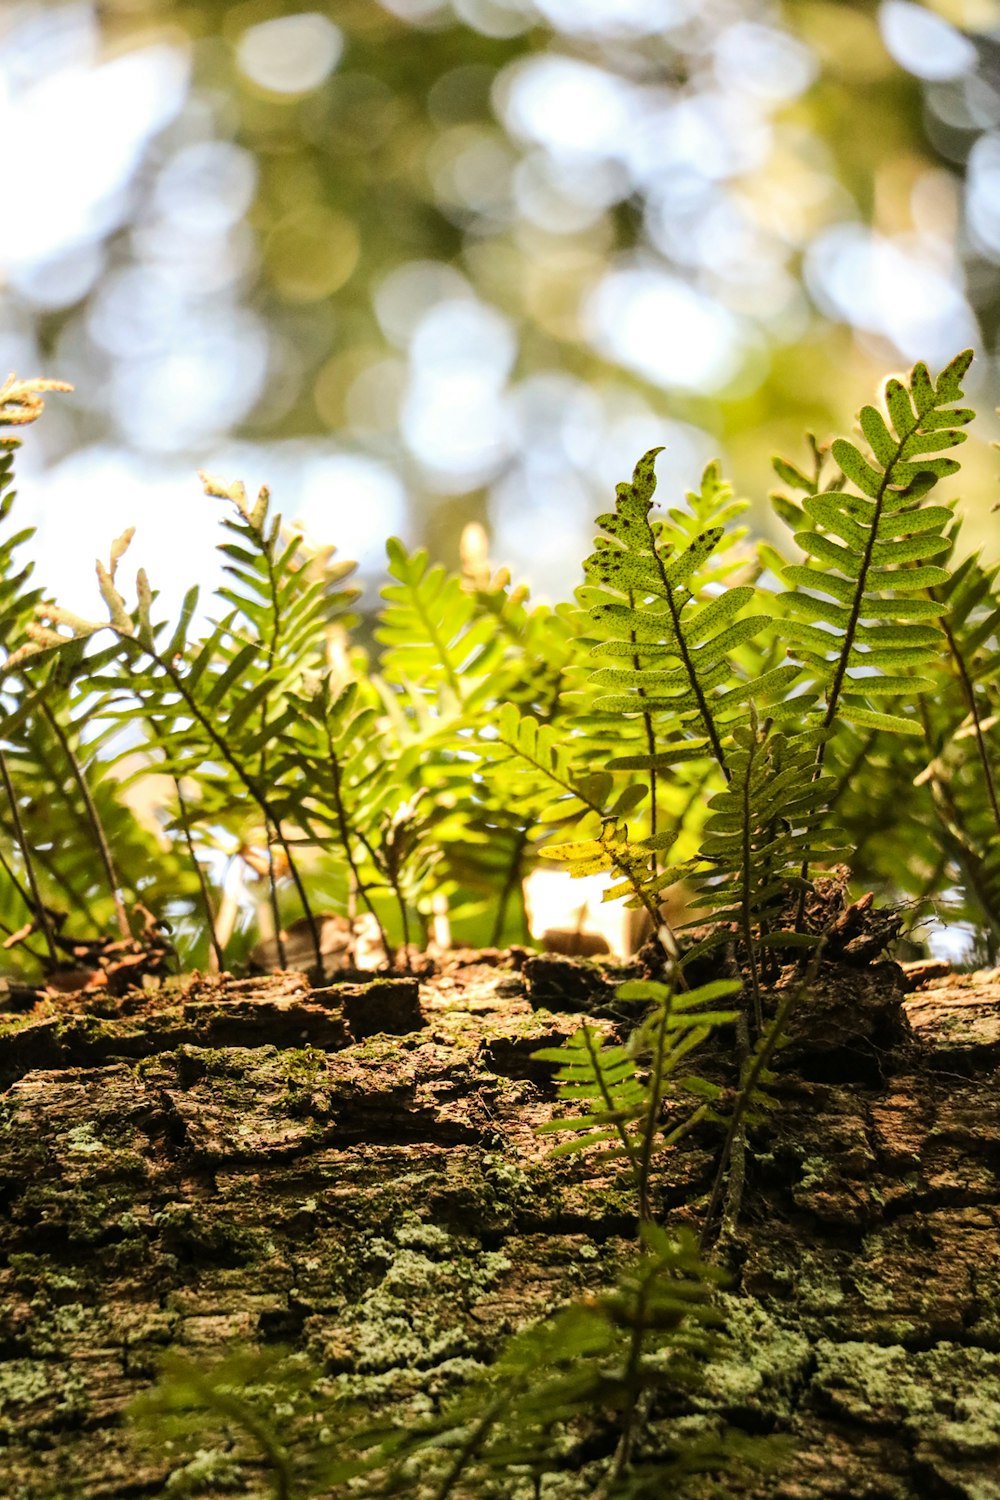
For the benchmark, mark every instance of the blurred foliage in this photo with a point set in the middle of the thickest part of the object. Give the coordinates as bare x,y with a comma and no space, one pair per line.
732,213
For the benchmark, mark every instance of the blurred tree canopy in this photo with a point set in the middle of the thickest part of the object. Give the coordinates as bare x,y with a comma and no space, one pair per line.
476,255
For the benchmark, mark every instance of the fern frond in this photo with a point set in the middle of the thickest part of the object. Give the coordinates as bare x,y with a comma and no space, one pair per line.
860,620
213,711
438,642
971,625
712,505
17,600
540,773
621,1107
672,648
635,860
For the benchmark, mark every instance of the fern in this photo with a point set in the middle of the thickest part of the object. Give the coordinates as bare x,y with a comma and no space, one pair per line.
971,625
919,816
645,585
760,830
212,712
454,649
621,1108
962,735
438,642
21,403
752,1100
860,620
541,774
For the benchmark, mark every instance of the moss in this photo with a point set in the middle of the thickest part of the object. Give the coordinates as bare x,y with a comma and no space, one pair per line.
301,1066
22,1381
31,1270
510,1186
83,1139
188,1231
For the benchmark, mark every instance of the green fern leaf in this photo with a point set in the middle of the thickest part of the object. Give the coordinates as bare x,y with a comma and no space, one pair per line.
854,607
672,644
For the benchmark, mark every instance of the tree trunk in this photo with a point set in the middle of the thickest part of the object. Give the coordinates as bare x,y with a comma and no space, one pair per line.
354,1172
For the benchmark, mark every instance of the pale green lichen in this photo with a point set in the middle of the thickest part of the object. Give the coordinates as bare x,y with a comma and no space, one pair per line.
947,1398
762,1363
83,1139
414,1317
208,1466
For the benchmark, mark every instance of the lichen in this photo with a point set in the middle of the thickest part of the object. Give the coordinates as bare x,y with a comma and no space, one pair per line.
762,1363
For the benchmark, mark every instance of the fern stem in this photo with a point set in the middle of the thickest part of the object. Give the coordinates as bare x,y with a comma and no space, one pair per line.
26,898
471,1446
9,871
685,655
738,1150
968,692
646,901
242,1413
628,1145
272,894
654,1100
345,839
434,635
36,905
73,895
251,783
392,877
404,917
266,548
647,721
762,1056
206,900
626,1443
747,884
968,858
840,671
630,1379
93,818
512,881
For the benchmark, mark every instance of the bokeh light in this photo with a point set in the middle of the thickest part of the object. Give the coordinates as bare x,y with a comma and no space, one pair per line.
454,258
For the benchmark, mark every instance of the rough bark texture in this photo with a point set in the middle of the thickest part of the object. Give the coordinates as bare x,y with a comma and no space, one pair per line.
354,1172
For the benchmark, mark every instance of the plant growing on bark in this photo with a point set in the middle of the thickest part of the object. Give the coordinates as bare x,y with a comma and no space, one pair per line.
687,719
494,735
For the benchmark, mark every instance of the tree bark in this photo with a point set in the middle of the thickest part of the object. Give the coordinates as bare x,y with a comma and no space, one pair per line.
354,1172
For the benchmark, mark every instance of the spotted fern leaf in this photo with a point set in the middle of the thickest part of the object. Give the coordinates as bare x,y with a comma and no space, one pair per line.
860,619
